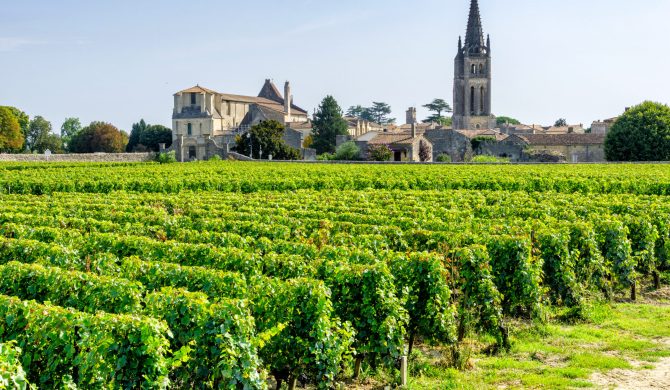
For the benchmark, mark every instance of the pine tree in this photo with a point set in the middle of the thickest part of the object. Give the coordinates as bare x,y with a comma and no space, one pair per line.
328,124
135,135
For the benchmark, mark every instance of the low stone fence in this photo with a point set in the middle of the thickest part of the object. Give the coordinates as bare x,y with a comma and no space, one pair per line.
92,157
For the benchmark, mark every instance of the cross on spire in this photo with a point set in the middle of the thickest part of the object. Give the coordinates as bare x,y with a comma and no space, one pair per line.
474,37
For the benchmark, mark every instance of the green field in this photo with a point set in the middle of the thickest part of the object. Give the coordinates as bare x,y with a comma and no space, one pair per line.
249,275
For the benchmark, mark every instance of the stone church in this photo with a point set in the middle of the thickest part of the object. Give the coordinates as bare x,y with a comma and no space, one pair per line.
205,122
472,77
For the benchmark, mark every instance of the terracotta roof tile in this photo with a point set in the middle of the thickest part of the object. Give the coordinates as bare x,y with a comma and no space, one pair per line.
563,139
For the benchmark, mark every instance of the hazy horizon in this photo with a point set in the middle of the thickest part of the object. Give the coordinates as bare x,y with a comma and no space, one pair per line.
122,61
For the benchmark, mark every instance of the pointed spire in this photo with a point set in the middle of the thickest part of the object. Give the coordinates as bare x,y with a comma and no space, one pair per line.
474,37
460,43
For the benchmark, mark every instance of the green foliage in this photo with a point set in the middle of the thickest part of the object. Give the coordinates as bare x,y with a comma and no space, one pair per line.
559,267
485,159
348,151
617,251
561,122
437,106
379,153
504,120
380,113
98,137
167,157
266,138
480,302
640,134
215,157
328,123
12,375
70,127
135,135
643,236
444,158
154,135
11,136
39,137
482,139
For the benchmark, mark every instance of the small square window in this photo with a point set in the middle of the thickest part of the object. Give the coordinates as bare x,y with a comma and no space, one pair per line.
193,99
190,129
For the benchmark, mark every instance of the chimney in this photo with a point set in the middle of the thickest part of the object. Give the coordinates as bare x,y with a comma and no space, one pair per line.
411,116
288,99
414,130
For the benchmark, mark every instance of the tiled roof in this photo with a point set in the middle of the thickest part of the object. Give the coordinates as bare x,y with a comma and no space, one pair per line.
395,138
270,91
197,89
483,133
563,139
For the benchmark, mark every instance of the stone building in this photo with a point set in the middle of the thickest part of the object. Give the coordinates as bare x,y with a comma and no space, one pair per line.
603,127
206,122
472,77
406,145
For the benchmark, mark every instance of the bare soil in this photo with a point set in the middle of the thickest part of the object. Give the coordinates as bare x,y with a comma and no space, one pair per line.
656,378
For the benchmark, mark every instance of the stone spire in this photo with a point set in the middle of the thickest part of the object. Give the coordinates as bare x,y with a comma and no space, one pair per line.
474,37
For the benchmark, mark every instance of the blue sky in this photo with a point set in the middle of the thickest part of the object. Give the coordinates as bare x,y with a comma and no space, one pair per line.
121,60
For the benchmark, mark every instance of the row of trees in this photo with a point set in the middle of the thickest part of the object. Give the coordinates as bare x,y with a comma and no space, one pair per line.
20,134
379,112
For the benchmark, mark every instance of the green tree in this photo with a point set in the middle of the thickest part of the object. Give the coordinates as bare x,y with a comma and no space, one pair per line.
356,111
154,135
264,139
641,134
11,136
437,107
70,127
380,113
328,124
51,142
135,135
348,151
98,137
561,123
503,120
379,153
22,118
38,130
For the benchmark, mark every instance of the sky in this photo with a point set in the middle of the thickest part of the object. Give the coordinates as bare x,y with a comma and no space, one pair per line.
122,60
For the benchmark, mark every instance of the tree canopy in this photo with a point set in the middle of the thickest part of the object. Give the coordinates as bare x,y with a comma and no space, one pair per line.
561,123
70,127
154,135
503,120
98,137
39,130
265,139
135,134
380,113
437,107
11,136
641,134
22,118
328,124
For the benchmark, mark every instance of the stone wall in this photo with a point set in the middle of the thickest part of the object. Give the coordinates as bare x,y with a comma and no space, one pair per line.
93,157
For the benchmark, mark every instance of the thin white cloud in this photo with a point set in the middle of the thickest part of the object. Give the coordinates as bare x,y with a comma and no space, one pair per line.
12,43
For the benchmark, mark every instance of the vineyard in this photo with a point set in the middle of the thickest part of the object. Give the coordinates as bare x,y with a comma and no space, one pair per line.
237,275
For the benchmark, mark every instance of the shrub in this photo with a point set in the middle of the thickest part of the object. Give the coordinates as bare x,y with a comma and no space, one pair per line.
379,153
348,151
167,158
444,158
489,159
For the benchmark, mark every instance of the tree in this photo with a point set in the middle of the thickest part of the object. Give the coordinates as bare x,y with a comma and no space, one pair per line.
22,118
348,151
69,129
11,136
154,135
98,137
561,123
328,124
444,121
503,120
264,139
437,106
380,113
38,129
135,135
356,111
379,153
51,142
641,134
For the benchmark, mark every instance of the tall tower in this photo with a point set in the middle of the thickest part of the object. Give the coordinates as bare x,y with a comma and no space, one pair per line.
472,77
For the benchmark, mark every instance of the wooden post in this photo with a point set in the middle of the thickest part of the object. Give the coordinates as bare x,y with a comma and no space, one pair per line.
357,366
633,291
292,383
403,371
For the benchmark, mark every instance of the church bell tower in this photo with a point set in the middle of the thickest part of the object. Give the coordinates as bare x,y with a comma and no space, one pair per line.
472,77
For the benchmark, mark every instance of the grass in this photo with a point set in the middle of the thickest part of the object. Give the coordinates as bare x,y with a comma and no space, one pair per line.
558,355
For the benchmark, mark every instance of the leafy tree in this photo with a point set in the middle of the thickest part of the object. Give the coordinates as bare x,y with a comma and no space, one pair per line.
443,121
437,107
561,123
69,129
267,137
98,137
135,135
503,120
348,151
425,152
379,153
11,136
52,142
641,134
22,118
328,124
38,129
154,135
356,111
380,113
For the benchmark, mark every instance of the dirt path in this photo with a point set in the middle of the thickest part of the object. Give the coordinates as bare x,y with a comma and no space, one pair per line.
656,378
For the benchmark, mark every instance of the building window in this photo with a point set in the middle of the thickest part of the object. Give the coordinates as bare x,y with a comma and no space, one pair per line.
193,99
481,100
474,69
481,68
473,100
190,129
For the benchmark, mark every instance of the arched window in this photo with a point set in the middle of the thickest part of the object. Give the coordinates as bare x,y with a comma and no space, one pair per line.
481,100
190,129
473,100
481,68
474,69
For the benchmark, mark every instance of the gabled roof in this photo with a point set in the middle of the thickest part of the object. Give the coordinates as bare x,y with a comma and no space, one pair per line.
563,139
395,138
197,89
270,92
